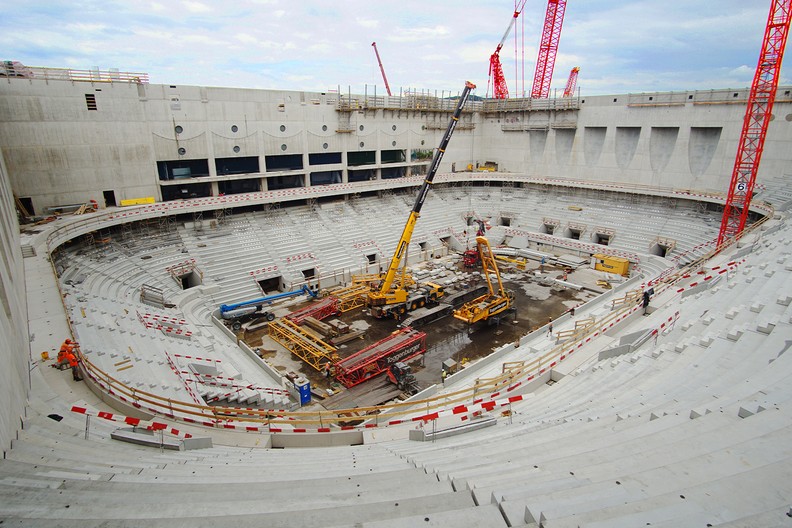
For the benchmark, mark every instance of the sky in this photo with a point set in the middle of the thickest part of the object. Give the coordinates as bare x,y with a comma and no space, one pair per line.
621,46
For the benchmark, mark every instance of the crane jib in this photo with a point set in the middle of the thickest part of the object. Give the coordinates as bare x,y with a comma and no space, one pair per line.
385,292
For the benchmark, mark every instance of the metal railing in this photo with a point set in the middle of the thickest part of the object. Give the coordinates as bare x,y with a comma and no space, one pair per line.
513,375
13,69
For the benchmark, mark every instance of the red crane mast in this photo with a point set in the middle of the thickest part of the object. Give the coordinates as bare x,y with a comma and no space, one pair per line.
757,118
387,86
548,47
499,88
569,91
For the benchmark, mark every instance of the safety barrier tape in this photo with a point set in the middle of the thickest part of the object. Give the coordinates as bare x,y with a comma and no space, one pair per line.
198,378
301,256
135,422
731,266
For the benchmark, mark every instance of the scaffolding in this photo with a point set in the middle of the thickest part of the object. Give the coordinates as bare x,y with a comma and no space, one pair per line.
302,344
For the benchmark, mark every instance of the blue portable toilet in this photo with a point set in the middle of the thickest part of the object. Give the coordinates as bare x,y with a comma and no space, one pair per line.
304,388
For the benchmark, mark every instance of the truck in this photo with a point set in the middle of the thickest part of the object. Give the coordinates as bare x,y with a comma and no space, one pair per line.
425,294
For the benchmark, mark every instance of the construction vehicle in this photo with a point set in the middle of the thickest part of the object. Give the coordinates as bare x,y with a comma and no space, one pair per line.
489,306
496,76
246,311
421,317
397,294
401,375
425,294
470,258
402,345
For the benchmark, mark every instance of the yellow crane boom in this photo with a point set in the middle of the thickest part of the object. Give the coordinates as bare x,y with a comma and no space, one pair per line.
388,294
495,301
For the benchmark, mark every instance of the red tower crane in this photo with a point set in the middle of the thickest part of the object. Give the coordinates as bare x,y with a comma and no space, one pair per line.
548,47
569,91
757,118
387,86
499,88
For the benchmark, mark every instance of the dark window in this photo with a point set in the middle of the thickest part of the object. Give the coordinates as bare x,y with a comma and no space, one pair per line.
325,158
90,101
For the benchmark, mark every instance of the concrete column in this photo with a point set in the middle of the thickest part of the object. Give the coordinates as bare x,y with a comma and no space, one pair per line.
345,167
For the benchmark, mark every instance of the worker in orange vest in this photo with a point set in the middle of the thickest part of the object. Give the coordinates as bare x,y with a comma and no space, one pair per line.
66,348
73,363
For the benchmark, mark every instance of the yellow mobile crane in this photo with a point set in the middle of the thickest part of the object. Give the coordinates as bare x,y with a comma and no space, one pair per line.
493,302
394,299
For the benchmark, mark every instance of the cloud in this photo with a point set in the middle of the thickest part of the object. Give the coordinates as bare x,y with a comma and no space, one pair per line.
367,22
245,38
196,7
418,34
743,71
620,46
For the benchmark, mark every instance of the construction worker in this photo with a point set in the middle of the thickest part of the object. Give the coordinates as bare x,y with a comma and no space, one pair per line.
327,369
444,375
66,348
73,363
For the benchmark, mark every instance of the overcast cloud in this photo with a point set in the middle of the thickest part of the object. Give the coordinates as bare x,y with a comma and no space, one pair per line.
621,46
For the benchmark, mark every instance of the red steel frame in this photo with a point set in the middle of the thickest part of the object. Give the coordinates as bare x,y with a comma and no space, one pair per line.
402,345
569,91
548,47
318,310
757,118
382,69
499,88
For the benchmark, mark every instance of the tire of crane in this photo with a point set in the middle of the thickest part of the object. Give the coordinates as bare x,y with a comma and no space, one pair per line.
236,325
401,310
270,317
433,297
421,303
413,305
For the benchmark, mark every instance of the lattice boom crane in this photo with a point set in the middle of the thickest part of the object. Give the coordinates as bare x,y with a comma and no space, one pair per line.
499,88
382,69
548,47
757,118
569,91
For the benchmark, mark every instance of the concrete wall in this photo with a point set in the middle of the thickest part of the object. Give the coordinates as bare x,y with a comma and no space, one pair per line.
60,152
15,352
684,140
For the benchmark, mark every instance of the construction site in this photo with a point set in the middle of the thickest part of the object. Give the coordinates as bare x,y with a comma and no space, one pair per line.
517,307
448,311
448,344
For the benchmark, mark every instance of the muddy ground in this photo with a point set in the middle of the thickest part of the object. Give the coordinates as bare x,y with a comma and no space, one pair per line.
536,302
